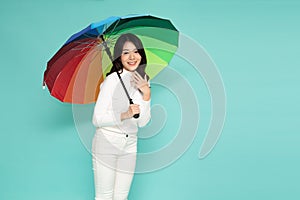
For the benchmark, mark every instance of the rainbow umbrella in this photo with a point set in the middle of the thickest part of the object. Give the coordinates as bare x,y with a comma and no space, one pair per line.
75,72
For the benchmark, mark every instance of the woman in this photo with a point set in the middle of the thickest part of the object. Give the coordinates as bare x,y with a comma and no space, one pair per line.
115,142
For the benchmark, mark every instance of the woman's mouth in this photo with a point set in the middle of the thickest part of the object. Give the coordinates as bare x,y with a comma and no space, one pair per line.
132,63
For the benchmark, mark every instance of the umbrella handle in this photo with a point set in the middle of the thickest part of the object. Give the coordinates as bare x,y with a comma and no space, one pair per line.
130,100
136,115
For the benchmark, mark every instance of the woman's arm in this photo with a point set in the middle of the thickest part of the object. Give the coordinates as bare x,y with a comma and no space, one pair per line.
104,115
142,98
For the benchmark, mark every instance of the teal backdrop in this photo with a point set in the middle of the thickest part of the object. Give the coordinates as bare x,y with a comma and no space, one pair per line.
255,45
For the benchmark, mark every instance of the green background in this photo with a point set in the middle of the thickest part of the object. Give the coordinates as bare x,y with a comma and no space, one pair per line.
255,45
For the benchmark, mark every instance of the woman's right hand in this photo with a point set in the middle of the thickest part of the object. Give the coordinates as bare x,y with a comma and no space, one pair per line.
132,110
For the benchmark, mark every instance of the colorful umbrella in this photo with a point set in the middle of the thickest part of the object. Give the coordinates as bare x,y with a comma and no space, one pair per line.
76,71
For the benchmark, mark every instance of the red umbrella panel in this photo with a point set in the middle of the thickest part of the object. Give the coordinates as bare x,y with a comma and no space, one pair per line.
76,65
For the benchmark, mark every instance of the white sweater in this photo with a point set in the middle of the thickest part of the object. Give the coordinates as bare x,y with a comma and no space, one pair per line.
112,101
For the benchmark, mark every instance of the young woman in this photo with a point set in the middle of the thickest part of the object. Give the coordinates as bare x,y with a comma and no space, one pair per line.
115,141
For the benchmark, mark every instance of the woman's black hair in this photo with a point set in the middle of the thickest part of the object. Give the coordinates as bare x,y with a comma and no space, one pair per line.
117,64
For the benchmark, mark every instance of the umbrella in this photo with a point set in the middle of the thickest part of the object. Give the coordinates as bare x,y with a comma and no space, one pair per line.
75,72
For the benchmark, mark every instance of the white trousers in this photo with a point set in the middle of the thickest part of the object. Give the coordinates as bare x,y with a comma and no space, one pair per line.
114,159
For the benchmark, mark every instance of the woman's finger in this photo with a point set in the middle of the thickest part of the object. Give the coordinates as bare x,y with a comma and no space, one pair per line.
138,75
134,108
135,78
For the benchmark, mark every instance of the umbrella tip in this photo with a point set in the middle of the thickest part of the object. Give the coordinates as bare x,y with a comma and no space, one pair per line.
44,85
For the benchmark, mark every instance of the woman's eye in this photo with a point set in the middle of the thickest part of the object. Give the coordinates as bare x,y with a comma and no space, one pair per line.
125,52
136,52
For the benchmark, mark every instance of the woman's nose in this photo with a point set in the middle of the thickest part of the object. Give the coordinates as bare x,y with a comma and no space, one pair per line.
131,56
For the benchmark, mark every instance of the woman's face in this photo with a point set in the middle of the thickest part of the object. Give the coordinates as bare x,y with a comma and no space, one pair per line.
130,56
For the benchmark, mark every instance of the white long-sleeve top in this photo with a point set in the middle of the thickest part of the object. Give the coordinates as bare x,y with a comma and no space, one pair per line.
112,101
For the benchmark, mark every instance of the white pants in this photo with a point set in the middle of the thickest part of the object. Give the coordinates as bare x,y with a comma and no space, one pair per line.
114,159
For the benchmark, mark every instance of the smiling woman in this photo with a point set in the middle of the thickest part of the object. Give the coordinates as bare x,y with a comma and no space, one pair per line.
115,142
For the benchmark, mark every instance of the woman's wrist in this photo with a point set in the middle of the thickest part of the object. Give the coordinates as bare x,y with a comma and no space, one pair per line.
147,96
146,92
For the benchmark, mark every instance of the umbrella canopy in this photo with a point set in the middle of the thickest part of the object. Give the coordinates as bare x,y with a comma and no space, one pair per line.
75,72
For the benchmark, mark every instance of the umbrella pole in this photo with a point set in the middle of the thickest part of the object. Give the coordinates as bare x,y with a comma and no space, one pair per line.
123,85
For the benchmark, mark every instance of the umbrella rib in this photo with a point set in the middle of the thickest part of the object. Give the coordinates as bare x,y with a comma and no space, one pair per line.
112,30
82,49
88,46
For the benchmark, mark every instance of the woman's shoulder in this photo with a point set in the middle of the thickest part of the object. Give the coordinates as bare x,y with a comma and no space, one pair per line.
111,77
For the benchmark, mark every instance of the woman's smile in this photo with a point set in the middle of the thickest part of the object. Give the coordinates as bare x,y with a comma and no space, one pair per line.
132,63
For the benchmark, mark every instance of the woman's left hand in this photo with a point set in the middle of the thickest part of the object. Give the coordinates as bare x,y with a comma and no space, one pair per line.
142,84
